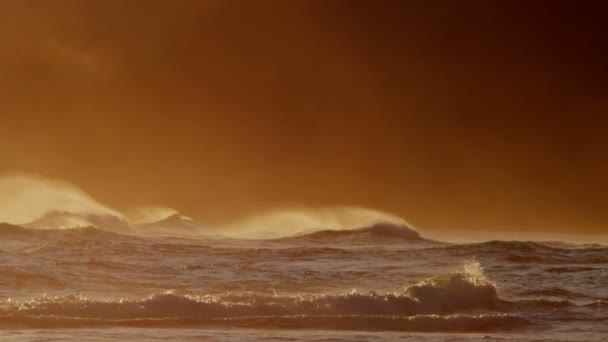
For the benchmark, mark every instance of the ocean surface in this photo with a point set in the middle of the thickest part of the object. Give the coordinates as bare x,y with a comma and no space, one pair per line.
382,282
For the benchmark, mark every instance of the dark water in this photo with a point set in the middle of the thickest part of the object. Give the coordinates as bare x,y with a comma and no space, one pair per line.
379,283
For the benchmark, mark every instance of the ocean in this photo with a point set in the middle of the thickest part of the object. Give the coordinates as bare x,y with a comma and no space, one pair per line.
383,282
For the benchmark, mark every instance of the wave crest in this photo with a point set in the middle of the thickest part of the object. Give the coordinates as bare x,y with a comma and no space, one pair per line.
445,294
456,291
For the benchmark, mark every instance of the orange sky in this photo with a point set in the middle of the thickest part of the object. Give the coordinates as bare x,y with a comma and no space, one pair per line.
464,115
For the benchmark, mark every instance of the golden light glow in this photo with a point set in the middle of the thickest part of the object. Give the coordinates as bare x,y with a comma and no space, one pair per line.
226,109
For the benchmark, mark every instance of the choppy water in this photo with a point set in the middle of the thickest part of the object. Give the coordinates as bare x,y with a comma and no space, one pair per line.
376,284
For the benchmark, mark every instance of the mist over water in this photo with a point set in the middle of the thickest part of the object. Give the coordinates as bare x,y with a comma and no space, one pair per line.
68,261
38,202
26,198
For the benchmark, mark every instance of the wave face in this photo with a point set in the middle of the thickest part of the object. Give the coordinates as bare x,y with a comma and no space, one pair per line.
381,277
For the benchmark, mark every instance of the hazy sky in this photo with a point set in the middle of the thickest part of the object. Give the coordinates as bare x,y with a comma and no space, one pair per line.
451,114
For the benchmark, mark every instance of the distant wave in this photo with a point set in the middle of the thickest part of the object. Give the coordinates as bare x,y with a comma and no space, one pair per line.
382,230
56,224
59,220
11,231
175,225
14,232
64,220
26,198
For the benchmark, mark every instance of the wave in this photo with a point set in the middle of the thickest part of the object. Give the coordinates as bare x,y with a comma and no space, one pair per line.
527,252
541,304
59,220
20,277
383,230
436,299
518,246
20,233
66,220
553,292
291,222
571,269
175,225
14,232
37,202
27,198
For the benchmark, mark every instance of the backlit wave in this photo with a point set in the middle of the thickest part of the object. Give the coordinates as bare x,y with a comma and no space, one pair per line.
441,303
37,202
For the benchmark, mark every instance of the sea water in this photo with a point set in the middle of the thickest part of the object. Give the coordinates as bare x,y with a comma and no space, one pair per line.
379,283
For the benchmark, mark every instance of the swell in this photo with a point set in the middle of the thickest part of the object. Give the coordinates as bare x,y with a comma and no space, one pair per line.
20,277
376,231
553,292
9,231
527,252
144,249
368,234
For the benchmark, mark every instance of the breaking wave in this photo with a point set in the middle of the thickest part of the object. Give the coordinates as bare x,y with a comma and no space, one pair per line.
27,198
294,222
442,303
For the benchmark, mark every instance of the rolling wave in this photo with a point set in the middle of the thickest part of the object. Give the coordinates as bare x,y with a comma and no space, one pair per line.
445,294
437,304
